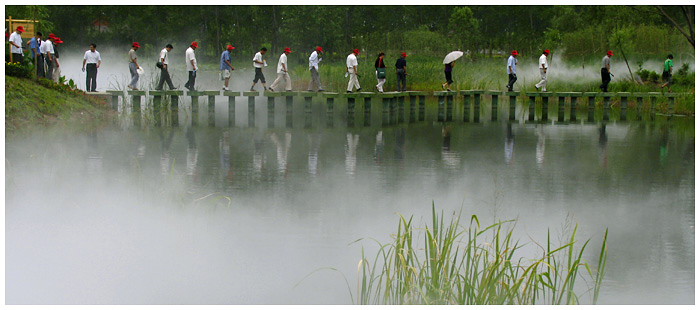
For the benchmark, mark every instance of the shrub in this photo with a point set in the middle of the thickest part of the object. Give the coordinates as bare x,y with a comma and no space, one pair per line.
15,69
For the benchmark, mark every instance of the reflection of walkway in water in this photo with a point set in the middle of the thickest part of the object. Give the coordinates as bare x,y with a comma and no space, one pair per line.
351,153
449,157
282,151
509,145
314,144
539,150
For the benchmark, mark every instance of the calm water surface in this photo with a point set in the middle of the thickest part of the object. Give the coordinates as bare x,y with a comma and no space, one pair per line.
197,215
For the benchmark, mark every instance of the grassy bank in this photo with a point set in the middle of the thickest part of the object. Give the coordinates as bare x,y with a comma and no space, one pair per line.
452,264
28,102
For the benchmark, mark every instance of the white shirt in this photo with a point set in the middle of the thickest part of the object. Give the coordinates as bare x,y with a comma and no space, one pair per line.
258,57
543,61
189,55
283,60
47,47
17,39
351,61
313,60
92,58
164,56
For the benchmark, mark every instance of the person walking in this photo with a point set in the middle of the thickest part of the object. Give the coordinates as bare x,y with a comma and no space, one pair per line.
313,68
225,65
57,67
47,50
380,72
258,64
542,85
133,66
283,72
164,74
351,69
512,62
191,64
16,45
401,72
35,46
448,75
605,72
668,72
91,61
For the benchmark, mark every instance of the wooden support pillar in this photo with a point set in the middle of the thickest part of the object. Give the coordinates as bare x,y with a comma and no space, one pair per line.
308,99
351,99
531,105
561,106
400,98
671,103
330,101
367,107
477,105
512,102
574,104
251,106
271,107
623,105
606,105
494,103
157,104
465,109
654,96
289,108
114,94
136,105
386,101
545,105
591,104
231,106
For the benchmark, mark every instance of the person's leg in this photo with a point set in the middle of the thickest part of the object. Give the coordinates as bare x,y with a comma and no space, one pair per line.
56,73
49,69
40,65
276,81
381,84
161,81
193,77
92,75
167,79
288,82
134,75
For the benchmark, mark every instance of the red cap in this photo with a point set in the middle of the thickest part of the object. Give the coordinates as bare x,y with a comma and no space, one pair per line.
546,52
610,53
20,28
58,40
356,51
318,48
514,53
287,50
135,44
403,54
194,44
51,36
228,48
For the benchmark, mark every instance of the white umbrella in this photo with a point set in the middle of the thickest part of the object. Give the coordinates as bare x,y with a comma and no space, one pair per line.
452,57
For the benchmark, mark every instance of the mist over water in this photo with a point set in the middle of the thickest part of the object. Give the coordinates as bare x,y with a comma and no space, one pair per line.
214,215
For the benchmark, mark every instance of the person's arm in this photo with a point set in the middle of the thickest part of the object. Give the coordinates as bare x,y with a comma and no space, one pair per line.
134,61
99,61
84,61
193,66
229,64
284,68
404,70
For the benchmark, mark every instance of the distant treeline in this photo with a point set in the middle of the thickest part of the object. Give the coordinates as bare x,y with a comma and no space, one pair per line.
574,31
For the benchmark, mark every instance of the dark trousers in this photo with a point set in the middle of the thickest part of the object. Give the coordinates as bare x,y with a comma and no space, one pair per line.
18,58
91,79
190,81
40,66
400,78
259,76
511,80
605,76
165,77
49,68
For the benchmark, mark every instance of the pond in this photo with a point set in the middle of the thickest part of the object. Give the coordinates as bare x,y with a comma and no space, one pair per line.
216,215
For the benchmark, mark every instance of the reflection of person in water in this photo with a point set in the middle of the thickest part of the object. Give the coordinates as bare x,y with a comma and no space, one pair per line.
663,148
603,146
192,153
351,153
225,155
94,160
282,151
314,143
165,160
379,148
400,142
258,154
509,145
449,157
539,150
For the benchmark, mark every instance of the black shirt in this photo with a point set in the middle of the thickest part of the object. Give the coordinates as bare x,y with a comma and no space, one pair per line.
379,63
400,63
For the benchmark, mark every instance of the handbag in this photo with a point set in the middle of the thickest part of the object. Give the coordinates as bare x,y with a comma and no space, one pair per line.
381,73
159,65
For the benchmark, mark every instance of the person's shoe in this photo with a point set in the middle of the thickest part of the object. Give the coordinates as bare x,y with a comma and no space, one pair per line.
448,89
358,90
443,86
252,89
225,88
320,90
377,87
310,90
158,89
349,92
270,89
537,87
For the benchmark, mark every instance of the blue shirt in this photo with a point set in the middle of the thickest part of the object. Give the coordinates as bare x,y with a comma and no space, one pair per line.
226,55
33,44
511,63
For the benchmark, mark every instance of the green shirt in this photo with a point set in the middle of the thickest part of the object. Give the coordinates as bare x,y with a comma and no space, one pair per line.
668,64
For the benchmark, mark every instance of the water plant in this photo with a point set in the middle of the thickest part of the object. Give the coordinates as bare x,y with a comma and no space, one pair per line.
475,266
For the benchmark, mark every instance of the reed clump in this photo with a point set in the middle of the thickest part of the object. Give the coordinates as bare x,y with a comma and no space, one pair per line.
451,264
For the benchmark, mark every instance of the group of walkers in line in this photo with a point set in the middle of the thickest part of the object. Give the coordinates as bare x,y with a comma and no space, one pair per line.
47,65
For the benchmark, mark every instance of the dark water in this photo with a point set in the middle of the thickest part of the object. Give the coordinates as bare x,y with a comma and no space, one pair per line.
198,215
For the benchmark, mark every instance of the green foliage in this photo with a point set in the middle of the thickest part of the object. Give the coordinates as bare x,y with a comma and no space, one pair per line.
447,263
463,27
15,69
